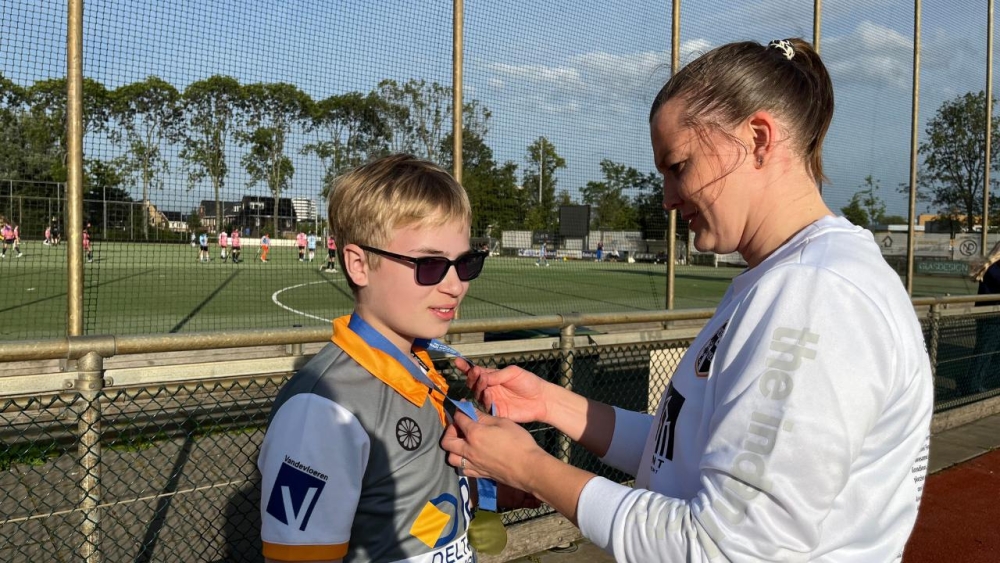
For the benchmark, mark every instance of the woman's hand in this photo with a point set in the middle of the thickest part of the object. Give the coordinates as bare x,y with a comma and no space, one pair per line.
515,393
492,447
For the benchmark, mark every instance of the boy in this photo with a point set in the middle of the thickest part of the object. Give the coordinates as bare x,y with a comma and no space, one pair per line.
331,254
300,241
350,465
311,245
234,240
223,245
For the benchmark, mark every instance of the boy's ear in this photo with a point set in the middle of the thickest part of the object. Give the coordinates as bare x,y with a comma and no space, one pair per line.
356,264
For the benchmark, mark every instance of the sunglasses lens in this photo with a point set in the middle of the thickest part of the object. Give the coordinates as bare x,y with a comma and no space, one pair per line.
469,266
430,271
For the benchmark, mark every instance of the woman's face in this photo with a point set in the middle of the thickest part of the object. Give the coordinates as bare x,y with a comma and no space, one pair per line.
705,178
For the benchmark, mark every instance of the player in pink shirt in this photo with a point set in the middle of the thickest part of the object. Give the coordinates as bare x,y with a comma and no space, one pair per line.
234,241
86,243
9,239
223,245
300,241
331,254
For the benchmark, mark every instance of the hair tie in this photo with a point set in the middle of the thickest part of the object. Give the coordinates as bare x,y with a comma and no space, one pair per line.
783,45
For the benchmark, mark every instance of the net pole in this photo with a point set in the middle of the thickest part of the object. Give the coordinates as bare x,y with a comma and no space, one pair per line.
74,172
914,134
675,63
989,127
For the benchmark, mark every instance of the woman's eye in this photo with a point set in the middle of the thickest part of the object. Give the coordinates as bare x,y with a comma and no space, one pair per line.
676,167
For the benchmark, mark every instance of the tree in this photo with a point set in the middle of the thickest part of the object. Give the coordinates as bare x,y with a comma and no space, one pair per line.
954,164
855,212
352,131
148,114
103,181
418,114
29,144
873,204
612,208
194,221
274,109
212,109
47,100
497,203
540,179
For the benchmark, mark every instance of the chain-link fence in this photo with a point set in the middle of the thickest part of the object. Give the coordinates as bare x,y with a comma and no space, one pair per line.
202,119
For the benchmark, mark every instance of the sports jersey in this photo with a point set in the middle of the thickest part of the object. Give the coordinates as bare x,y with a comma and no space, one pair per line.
86,240
203,239
7,232
234,239
300,239
331,244
795,428
351,467
223,239
311,242
265,241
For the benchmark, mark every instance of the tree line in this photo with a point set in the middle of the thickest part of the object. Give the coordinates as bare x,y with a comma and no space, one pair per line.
953,173
212,119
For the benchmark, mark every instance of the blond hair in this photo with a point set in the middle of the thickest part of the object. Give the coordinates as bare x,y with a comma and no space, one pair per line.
980,271
395,191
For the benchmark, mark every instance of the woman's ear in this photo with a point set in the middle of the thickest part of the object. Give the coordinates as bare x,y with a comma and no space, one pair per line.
355,264
763,130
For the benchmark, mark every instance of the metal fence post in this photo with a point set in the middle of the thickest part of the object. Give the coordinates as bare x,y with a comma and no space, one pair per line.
89,383
935,326
566,352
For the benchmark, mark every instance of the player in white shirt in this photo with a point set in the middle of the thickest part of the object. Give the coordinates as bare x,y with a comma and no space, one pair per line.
796,427
311,246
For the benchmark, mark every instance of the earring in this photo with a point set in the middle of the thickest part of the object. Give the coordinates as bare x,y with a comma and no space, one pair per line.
760,161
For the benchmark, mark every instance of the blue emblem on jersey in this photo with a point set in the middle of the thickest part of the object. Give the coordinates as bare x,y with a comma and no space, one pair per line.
294,495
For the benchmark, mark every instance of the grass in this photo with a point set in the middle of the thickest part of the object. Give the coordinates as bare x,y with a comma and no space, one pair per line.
134,288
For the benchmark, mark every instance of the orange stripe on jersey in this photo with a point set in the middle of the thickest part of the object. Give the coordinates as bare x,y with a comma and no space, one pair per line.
304,552
385,368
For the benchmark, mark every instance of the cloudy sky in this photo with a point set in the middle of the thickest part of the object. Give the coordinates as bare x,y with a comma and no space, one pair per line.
581,73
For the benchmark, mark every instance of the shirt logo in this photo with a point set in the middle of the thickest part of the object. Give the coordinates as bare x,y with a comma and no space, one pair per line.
294,494
408,434
703,363
666,425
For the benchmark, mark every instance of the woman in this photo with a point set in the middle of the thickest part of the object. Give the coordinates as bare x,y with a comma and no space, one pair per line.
984,374
796,426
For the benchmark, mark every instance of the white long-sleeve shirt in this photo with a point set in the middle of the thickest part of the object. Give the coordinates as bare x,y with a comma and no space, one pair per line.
796,428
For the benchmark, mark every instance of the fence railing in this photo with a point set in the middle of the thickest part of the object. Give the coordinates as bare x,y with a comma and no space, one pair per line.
144,447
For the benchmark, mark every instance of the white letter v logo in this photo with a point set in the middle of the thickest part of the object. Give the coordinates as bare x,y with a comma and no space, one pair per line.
298,519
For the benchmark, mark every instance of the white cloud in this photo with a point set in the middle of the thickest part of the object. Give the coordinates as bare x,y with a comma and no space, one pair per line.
870,54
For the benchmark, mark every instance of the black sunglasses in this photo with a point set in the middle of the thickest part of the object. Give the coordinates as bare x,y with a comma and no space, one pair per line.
430,270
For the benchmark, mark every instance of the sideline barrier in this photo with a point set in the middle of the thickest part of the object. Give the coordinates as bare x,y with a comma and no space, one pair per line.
130,447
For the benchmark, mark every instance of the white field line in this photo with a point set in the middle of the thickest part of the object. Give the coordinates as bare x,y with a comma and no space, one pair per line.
274,297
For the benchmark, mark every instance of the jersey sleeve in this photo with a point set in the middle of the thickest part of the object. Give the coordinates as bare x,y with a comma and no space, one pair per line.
631,429
802,376
312,462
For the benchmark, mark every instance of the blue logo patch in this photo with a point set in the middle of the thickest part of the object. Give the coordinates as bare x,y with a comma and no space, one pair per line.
294,496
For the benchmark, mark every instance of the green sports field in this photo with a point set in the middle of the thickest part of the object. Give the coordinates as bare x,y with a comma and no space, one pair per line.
134,288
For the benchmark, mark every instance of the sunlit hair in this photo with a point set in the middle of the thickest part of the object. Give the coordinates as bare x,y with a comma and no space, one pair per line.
728,84
392,192
980,271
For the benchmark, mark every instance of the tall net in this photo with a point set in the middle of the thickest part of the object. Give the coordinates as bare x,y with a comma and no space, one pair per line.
210,118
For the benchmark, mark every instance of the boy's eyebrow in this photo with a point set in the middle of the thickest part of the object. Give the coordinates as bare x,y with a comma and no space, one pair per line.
428,250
